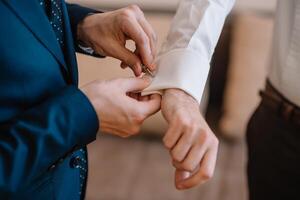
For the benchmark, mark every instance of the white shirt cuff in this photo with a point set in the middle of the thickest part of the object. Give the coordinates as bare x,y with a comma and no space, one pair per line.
183,69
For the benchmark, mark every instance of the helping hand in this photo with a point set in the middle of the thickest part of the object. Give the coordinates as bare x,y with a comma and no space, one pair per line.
107,33
119,109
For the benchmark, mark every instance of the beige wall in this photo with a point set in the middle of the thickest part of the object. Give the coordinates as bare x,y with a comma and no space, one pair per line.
171,5
256,5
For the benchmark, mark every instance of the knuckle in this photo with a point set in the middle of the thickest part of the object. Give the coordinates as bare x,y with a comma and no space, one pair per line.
185,123
126,14
187,166
135,130
143,40
196,127
167,144
138,118
215,141
193,129
204,136
206,175
209,138
190,125
193,183
134,8
190,139
176,156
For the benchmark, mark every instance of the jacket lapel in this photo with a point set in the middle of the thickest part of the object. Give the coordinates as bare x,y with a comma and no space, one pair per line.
36,21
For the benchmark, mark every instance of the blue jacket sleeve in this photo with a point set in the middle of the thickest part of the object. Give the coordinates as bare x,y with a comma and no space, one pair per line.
76,15
37,138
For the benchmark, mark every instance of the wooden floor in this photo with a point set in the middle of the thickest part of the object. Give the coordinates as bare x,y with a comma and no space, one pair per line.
140,169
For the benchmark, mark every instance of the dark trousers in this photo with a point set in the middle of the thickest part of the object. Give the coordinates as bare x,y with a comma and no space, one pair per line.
274,156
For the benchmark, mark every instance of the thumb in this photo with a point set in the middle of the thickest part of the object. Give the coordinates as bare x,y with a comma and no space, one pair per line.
151,106
180,176
136,84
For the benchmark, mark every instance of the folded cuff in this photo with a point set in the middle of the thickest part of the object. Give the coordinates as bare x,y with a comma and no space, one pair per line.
182,69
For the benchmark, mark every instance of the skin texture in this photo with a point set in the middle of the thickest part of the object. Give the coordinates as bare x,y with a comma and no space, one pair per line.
117,102
119,107
192,145
108,32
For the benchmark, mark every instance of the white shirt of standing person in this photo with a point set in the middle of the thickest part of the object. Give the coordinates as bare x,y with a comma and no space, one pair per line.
184,59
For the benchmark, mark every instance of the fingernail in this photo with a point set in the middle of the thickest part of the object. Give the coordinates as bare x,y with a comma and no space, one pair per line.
182,175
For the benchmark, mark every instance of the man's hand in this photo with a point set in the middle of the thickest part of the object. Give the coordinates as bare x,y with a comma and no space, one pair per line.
107,33
119,109
192,144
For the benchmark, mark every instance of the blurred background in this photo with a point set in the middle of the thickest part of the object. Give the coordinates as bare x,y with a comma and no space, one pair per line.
139,168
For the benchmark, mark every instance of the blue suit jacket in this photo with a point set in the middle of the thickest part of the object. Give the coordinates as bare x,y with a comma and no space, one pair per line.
44,117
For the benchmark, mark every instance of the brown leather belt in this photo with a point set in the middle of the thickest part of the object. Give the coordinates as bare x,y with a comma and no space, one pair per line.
278,103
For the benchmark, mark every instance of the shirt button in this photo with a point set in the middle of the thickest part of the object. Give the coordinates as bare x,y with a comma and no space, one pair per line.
75,162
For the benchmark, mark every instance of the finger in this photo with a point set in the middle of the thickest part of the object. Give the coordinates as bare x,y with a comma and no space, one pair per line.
181,149
137,53
152,38
192,160
205,172
135,32
135,84
177,165
127,57
144,98
172,135
133,95
151,106
181,175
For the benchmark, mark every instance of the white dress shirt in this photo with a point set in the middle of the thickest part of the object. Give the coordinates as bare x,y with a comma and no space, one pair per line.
285,59
185,56
184,59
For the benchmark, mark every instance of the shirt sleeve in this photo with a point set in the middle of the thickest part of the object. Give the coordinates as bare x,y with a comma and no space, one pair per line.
184,59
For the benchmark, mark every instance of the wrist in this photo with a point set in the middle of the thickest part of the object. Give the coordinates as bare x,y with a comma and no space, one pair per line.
83,28
181,96
88,92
